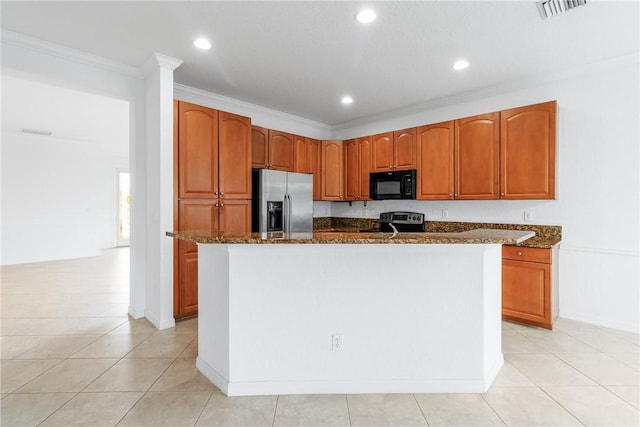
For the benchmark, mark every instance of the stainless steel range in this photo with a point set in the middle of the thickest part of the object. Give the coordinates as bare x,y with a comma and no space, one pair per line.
407,222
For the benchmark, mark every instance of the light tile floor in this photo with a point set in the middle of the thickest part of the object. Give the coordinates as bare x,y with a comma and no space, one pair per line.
72,357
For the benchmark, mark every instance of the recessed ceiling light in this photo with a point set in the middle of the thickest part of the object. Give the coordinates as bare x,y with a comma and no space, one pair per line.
347,99
202,44
460,64
366,16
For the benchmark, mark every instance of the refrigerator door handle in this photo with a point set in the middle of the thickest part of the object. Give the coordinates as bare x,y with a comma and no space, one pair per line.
287,199
290,211
285,215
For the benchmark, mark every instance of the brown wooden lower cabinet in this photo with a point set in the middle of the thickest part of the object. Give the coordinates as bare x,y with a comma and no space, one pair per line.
198,214
529,285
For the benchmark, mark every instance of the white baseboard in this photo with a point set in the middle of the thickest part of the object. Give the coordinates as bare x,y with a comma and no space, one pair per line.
581,317
269,388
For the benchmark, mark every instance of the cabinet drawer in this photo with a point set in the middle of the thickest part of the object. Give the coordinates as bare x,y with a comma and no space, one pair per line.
520,253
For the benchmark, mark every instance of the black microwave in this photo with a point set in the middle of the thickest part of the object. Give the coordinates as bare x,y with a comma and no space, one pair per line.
392,185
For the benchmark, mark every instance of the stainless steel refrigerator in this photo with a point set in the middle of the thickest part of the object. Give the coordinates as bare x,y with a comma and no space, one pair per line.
282,202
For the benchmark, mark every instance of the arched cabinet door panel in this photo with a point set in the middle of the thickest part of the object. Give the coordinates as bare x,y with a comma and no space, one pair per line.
477,157
197,151
528,152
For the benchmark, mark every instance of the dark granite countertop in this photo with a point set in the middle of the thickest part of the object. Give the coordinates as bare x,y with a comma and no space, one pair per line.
478,236
546,236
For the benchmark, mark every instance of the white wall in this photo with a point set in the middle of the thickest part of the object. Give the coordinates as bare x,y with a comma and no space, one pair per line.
598,190
58,198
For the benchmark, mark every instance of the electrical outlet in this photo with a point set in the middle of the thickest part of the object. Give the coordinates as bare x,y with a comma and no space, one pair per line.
445,213
528,216
336,342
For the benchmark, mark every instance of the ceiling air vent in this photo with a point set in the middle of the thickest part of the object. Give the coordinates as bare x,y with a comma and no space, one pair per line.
549,8
36,131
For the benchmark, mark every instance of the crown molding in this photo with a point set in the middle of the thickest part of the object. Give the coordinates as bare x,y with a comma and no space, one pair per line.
202,97
72,55
485,92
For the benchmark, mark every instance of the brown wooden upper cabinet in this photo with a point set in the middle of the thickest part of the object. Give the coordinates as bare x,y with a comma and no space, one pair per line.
393,150
214,153
272,149
404,149
307,160
332,176
357,162
477,157
259,147
435,152
527,152
197,151
234,156
481,157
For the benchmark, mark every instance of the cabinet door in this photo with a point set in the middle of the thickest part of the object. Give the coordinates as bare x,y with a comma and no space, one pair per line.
300,145
351,170
477,157
332,187
526,292
281,151
435,161
259,147
313,165
382,152
234,156
235,215
193,215
527,152
364,146
404,149
197,151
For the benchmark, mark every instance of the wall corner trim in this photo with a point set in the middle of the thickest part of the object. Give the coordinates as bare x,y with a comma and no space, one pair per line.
158,60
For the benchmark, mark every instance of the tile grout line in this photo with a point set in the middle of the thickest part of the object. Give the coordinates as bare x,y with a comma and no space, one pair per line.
203,408
492,408
420,408
60,407
562,406
275,411
606,387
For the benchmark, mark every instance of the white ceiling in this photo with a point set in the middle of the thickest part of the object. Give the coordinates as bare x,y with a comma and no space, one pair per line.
71,116
302,57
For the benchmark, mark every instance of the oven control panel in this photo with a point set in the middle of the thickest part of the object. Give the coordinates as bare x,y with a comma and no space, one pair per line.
402,217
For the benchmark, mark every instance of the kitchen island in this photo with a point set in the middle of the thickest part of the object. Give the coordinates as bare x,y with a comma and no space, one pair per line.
341,312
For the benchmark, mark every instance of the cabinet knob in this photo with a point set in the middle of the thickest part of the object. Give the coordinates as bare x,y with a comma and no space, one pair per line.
215,192
221,193
519,253
501,194
455,195
221,204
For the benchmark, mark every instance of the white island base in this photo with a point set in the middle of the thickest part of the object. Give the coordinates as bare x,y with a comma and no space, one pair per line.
412,318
